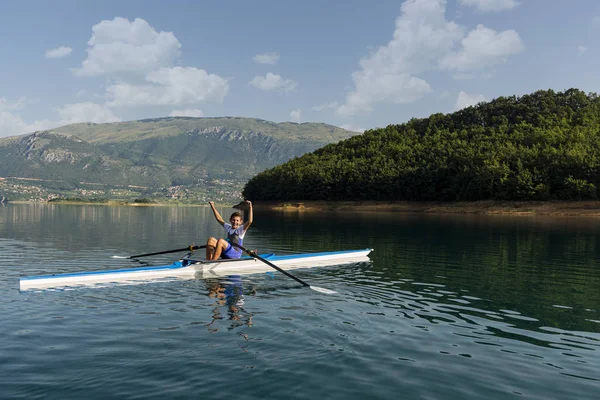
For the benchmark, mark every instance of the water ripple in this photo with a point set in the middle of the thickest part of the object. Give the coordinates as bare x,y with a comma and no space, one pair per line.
455,308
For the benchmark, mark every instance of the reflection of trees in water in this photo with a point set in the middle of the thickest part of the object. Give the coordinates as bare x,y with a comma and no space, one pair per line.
525,263
229,295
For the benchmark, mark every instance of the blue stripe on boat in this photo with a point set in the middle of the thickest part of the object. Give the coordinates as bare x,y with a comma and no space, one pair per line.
305,255
175,265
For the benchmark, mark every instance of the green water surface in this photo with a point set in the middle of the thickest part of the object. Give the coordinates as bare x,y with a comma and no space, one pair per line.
450,307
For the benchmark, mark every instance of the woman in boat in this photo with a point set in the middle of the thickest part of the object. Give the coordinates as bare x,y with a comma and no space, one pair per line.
235,231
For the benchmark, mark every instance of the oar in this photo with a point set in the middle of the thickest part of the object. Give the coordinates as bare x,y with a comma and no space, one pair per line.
189,248
253,254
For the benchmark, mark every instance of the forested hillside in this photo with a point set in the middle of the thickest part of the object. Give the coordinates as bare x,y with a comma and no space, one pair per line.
540,146
183,158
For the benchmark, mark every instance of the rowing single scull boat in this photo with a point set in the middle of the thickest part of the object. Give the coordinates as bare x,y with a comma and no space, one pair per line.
187,269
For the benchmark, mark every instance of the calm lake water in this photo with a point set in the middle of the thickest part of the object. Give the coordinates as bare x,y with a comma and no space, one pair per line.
451,307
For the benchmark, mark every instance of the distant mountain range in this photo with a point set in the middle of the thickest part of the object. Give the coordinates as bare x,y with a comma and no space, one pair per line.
158,153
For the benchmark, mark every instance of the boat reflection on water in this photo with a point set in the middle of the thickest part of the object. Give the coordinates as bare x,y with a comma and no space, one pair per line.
228,293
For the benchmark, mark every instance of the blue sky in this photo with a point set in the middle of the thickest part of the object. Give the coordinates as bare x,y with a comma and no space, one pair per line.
350,63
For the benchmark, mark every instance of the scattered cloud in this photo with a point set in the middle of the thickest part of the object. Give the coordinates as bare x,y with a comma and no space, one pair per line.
21,102
296,115
140,64
188,112
392,88
119,45
466,100
332,105
86,112
387,75
424,40
273,82
267,58
481,48
59,52
169,86
13,124
581,49
490,5
352,128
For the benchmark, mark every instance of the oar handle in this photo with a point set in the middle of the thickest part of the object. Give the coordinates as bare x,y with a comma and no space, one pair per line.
253,254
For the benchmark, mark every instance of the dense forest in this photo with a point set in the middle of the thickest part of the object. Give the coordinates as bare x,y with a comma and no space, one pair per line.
541,146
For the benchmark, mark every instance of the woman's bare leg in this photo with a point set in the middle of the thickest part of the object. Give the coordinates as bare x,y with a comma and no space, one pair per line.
221,246
210,247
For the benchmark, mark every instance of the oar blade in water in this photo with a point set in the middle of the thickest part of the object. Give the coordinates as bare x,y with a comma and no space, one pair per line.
323,290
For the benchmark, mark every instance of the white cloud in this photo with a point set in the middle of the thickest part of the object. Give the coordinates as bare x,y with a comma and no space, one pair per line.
267,58
490,5
421,35
273,82
13,124
188,112
352,128
373,88
332,105
296,115
169,86
86,112
483,47
581,49
139,63
20,104
59,52
123,46
466,100
423,40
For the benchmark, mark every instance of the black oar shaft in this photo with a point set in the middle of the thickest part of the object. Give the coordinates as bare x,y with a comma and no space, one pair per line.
253,254
189,248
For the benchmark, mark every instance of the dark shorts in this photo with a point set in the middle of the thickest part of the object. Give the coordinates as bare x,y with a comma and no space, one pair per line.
231,252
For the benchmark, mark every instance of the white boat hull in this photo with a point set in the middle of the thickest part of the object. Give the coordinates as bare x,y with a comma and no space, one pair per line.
188,269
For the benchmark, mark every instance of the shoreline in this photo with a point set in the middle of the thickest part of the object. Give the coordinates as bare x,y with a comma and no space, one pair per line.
484,207
590,208
105,203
